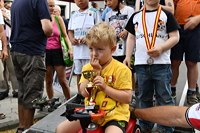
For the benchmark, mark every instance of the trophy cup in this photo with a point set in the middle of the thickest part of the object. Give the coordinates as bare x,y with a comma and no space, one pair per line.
90,88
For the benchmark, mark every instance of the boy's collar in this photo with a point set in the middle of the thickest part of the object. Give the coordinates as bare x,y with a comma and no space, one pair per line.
82,10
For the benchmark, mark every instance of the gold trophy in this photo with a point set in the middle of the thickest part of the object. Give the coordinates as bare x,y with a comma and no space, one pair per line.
90,88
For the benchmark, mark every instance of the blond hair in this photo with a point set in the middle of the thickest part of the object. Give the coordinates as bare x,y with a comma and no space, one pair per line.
101,32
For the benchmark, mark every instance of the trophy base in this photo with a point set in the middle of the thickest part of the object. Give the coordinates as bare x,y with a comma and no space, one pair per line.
92,107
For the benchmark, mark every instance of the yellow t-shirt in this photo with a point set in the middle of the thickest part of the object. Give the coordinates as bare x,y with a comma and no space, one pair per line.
117,76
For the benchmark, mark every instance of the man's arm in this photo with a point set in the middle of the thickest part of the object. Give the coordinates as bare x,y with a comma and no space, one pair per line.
4,53
47,27
164,115
169,5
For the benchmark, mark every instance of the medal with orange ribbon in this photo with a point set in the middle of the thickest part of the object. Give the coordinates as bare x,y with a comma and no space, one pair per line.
148,44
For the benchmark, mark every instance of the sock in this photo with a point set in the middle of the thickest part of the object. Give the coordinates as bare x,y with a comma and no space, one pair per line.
173,87
191,91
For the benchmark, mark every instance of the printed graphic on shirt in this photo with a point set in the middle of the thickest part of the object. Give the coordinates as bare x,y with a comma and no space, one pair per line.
119,23
161,30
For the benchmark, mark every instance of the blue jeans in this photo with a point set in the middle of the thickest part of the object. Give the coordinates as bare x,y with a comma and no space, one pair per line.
154,78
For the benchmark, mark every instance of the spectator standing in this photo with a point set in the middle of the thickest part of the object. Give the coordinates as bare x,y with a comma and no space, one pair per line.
3,52
105,12
152,56
166,4
187,14
80,22
30,27
95,5
54,55
9,72
57,11
118,18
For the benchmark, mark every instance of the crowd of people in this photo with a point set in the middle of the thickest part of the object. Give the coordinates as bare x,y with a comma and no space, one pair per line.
145,44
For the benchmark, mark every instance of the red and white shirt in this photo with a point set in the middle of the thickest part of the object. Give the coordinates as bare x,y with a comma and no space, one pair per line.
193,116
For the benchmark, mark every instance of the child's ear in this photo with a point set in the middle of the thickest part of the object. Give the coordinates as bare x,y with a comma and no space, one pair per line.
113,49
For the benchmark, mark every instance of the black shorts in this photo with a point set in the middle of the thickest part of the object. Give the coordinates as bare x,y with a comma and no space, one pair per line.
189,44
54,57
121,59
121,124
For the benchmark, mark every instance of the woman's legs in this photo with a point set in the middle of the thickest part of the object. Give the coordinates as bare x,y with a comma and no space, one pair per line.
49,81
61,72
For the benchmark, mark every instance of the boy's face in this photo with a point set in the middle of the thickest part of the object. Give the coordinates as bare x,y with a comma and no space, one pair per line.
111,3
82,4
101,52
151,2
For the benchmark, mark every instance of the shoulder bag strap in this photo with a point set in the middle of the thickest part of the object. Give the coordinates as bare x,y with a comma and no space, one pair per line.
58,24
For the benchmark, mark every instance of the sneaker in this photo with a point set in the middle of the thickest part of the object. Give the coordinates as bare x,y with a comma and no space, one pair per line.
3,95
197,91
79,99
192,98
173,89
15,94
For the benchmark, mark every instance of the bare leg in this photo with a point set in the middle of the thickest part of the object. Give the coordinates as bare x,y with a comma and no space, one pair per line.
78,80
28,118
67,126
113,129
20,115
49,81
175,71
192,73
61,72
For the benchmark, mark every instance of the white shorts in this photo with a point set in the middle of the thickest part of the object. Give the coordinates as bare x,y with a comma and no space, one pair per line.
79,63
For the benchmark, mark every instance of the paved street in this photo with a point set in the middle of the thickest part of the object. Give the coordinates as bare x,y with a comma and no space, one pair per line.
8,106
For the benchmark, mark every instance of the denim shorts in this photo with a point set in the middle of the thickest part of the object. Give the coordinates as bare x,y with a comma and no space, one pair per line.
154,78
189,44
30,72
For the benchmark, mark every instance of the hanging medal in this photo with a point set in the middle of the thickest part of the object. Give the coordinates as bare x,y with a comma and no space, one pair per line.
149,45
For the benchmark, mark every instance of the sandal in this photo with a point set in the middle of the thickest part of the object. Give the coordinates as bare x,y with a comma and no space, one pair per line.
20,130
2,116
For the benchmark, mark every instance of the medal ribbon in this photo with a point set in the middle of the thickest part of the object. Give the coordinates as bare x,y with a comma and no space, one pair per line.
148,44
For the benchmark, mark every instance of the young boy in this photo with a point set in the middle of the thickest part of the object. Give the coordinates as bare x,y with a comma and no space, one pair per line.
80,22
153,31
113,80
118,18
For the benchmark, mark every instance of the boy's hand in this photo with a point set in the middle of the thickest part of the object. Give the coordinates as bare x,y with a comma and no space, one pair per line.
70,52
127,62
99,81
155,51
82,40
74,41
95,64
123,34
4,55
192,22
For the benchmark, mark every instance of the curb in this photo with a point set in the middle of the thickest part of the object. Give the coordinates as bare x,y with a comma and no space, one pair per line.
14,123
